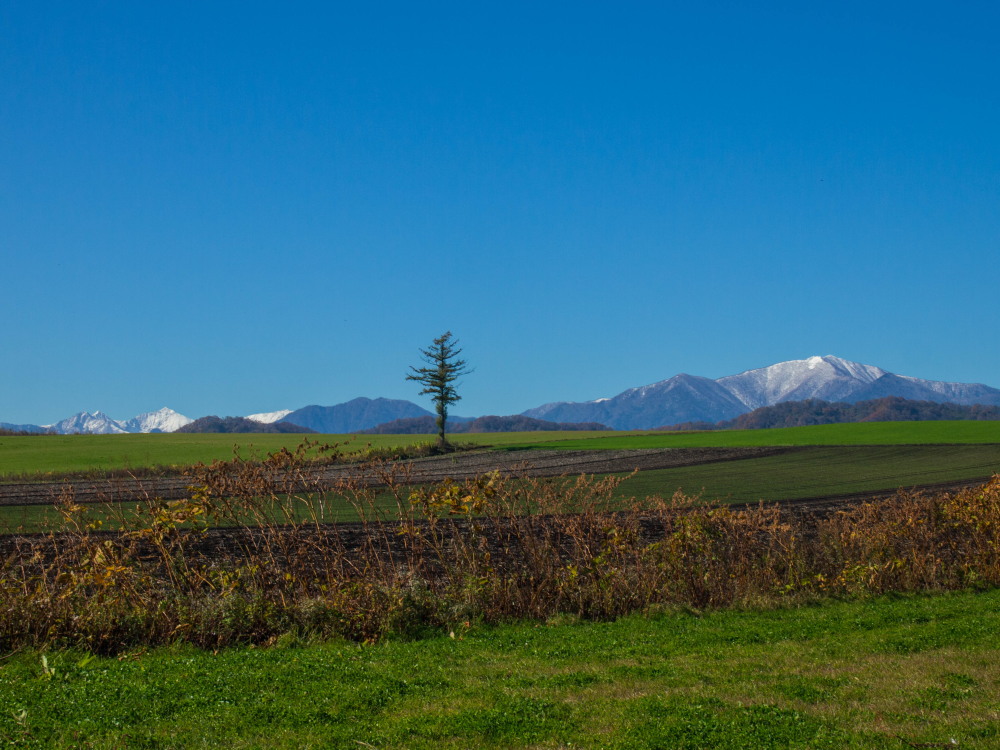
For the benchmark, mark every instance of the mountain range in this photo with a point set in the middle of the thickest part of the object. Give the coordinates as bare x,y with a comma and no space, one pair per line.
99,423
352,416
816,412
682,398
689,398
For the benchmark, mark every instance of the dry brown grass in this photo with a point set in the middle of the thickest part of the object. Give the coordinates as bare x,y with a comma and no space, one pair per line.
489,549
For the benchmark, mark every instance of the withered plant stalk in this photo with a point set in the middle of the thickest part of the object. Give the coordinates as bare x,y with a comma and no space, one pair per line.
260,549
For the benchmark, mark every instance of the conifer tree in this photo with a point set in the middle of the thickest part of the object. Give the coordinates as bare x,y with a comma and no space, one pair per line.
438,378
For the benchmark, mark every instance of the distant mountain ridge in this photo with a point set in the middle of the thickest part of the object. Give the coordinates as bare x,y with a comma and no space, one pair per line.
269,417
688,398
215,424
352,416
515,423
9,427
817,412
681,398
99,423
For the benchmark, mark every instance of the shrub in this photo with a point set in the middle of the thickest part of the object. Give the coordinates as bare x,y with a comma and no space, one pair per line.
251,557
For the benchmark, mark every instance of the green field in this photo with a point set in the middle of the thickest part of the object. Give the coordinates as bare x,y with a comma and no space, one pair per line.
863,433
889,673
60,454
817,471
57,454
821,472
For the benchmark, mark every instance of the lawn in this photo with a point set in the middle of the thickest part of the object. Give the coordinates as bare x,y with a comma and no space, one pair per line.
889,673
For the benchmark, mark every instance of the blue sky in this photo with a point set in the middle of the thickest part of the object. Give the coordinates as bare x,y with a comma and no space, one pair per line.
236,207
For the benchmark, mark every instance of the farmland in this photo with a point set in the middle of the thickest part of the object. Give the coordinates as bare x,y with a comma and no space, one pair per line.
56,455
858,433
61,454
822,471
503,620
736,475
805,462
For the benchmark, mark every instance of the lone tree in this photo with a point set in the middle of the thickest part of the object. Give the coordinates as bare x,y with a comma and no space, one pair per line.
443,369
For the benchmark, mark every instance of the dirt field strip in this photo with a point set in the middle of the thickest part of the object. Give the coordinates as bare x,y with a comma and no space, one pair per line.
536,463
541,463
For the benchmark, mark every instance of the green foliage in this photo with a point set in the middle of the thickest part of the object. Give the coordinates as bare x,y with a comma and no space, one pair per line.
443,370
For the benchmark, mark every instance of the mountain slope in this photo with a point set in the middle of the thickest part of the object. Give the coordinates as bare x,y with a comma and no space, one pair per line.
32,428
517,423
828,378
162,420
929,390
817,412
239,425
682,398
355,415
270,417
687,398
97,423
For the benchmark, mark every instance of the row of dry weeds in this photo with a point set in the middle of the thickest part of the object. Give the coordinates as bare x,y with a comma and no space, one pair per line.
489,549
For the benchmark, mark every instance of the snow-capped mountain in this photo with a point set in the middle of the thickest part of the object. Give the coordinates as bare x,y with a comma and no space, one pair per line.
269,417
97,423
686,398
682,398
828,378
161,420
834,379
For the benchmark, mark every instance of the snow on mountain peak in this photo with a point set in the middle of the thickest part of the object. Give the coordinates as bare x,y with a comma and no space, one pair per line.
161,420
269,417
828,377
97,423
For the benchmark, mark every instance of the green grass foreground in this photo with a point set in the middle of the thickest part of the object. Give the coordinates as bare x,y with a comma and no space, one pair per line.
890,672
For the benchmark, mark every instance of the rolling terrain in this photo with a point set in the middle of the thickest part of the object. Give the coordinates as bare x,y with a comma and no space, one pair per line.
821,466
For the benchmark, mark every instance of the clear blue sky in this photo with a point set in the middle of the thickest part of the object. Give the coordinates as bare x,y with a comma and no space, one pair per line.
236,207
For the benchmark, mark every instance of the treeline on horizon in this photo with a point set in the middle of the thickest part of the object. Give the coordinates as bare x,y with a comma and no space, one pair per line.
819,412
241,425
408,426
515,423
787,414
